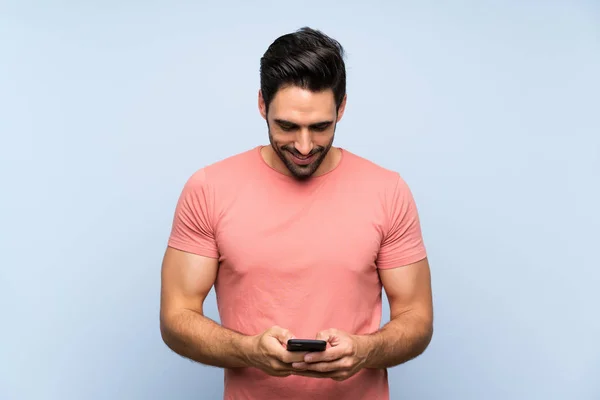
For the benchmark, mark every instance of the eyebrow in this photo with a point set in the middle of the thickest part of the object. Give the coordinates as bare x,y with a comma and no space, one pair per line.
294,125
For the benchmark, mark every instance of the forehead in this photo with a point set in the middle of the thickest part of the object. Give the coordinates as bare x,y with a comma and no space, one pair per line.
302,106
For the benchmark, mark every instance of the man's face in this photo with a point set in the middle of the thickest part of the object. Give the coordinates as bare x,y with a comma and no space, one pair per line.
301,128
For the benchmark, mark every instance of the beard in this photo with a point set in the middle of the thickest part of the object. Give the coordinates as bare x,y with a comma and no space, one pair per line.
300,172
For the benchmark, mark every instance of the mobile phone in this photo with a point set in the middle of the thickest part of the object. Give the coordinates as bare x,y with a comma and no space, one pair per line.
306,345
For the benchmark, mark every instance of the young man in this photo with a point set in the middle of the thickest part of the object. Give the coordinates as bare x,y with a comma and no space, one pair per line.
298,238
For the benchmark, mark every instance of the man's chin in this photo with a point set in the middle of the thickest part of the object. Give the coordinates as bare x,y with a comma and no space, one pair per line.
301,173
299,170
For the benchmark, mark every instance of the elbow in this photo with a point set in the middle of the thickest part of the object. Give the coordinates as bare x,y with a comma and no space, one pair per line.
426,336
424,330
175,331
422,336
166,330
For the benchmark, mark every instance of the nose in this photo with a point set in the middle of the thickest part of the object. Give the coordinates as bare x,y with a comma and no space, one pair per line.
304,142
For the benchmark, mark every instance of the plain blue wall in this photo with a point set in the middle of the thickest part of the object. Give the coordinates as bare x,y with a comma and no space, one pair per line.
490,110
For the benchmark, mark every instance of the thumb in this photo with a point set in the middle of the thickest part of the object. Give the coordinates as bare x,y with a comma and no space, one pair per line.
326,335
281,334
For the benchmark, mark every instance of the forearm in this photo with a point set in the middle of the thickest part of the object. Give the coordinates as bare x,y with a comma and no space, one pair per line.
400,340
194,336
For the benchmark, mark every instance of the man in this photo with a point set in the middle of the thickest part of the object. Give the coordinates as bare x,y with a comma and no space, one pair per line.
298,238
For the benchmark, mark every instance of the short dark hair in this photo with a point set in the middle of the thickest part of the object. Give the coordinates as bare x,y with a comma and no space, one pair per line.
306,58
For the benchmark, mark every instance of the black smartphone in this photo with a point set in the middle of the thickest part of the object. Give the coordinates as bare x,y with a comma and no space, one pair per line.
306,345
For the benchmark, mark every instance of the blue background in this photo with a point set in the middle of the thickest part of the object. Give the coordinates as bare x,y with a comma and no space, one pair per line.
490,111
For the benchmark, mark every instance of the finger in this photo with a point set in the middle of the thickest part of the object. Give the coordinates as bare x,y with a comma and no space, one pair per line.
300,366
280,353
278,347
276,364
330,354
326,335
336,376
292,356
341,376
281,334
279,368
312,374
344,364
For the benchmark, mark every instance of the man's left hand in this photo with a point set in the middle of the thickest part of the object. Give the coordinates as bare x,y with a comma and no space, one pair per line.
345,356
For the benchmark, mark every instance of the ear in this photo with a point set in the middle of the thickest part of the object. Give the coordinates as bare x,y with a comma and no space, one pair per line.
262,107
342,108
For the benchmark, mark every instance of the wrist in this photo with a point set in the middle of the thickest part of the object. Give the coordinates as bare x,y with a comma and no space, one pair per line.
365,347
246,349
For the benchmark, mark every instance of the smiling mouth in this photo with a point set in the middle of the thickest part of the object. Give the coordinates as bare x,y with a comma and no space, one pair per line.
301,160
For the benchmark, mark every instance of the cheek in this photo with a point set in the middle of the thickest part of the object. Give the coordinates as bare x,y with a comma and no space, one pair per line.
323,139
282,139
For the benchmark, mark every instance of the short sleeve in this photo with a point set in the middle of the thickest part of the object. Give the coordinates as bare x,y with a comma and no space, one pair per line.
403,242
193,230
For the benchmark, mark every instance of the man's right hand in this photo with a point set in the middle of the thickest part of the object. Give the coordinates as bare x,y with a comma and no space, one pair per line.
269,354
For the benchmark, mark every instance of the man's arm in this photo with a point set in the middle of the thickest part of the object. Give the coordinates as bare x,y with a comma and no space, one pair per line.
186,280
410,329
408,288
406,336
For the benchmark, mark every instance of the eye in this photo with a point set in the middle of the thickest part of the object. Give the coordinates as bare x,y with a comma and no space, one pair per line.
287,128
321,128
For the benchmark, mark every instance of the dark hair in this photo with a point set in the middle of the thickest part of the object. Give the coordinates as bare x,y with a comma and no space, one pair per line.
306,58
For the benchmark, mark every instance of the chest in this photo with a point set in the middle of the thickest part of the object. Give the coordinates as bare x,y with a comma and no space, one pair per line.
312,236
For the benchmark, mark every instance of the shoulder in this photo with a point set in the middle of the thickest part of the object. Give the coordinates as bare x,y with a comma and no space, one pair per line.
227,170
232,166
368,172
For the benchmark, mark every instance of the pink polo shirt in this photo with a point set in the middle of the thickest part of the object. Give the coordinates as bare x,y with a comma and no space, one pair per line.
301,255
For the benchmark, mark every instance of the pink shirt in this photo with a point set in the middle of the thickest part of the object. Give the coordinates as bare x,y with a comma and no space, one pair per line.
301,255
